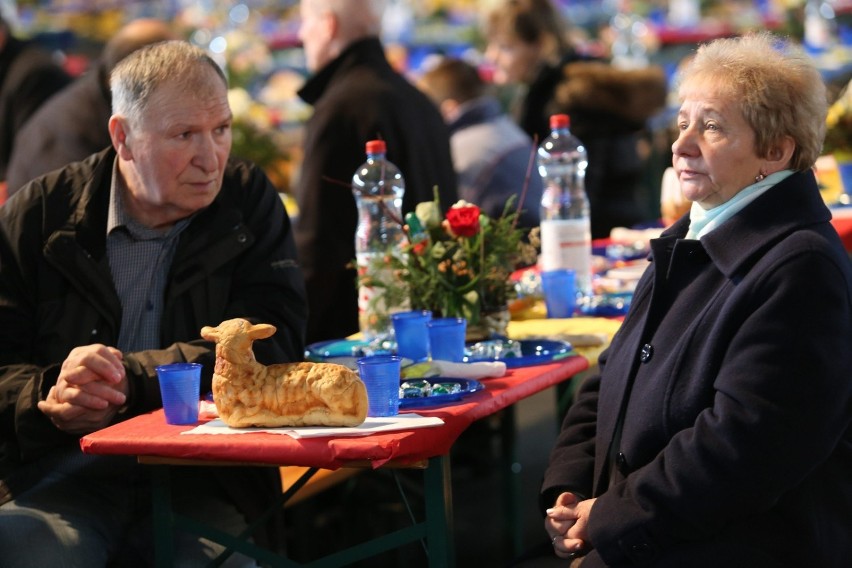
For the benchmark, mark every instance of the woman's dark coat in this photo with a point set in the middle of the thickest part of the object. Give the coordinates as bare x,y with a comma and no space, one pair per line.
733,373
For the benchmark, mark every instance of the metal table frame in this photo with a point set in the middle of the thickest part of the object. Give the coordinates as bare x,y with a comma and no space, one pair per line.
436,529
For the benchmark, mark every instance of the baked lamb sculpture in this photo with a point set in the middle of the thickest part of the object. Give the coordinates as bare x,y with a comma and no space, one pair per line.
248,393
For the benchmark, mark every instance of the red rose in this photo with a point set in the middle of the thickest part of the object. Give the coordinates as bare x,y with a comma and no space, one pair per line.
464,220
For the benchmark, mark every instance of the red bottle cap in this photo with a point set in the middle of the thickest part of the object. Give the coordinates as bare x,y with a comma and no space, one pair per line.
559,121
376,147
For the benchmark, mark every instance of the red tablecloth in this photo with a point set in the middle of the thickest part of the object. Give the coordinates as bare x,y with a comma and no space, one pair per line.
841,219
149,435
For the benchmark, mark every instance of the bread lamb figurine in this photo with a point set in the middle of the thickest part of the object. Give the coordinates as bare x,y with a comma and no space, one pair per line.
248,393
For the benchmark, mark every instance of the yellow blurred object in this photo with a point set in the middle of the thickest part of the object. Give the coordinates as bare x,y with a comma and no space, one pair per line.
828,177
290,205
588,335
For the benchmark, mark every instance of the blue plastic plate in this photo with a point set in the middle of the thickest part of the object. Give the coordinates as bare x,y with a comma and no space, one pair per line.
469,386
324,350
533,352
341,351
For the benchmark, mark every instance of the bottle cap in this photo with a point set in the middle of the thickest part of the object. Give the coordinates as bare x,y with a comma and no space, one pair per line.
559,121
376,147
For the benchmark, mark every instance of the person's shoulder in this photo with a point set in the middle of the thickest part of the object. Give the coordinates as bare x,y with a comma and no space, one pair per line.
54,194
243,179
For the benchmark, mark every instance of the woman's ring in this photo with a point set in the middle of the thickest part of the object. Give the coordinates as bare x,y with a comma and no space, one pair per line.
553,540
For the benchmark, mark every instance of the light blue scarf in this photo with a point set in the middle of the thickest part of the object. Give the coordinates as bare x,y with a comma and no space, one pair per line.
702,222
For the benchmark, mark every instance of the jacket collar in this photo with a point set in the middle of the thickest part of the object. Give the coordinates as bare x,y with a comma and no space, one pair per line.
792,204
367,51
476,111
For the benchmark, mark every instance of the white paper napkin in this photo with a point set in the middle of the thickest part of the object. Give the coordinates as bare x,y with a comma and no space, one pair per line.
371,425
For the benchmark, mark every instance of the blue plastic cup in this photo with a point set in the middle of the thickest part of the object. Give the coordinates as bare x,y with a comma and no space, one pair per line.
446,338
560,292
412,334
180,385
380,374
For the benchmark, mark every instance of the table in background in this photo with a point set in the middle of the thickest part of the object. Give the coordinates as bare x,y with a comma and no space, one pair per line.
841,219
162,446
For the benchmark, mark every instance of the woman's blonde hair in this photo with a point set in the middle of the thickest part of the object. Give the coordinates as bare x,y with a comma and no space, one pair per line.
780,92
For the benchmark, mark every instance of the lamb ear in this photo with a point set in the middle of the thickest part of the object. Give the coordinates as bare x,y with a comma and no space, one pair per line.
210,333
261,331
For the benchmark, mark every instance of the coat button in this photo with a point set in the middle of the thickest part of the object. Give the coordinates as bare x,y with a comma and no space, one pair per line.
641,549
621,463
646,353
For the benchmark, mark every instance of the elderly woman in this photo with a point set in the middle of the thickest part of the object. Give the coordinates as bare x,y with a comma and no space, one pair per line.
718,433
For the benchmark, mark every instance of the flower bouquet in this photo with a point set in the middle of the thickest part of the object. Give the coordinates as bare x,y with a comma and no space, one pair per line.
458,266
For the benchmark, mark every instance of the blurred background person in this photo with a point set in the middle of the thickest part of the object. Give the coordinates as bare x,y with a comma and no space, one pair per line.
491,154
28,77
73,124
608,107
721,422
357,96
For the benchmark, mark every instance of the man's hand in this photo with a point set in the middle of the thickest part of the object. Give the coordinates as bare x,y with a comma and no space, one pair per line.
90,390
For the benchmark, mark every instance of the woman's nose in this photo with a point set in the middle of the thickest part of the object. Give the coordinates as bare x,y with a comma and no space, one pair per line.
684,143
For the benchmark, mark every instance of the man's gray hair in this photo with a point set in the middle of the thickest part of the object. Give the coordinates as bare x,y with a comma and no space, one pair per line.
134,80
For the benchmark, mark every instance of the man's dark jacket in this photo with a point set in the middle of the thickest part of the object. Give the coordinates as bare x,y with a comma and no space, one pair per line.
236,258
731,378
356,98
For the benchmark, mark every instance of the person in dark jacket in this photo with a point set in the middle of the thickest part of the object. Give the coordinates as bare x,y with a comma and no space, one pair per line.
492,156
65,128
110,267
608,107
719,432
357,96
28,77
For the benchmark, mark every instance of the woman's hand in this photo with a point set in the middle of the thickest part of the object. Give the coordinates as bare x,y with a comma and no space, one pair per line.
567,523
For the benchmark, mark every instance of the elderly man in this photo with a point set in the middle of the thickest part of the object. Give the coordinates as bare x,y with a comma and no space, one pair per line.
357,97
109,267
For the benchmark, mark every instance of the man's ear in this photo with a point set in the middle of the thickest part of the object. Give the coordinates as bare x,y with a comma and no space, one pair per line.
119,136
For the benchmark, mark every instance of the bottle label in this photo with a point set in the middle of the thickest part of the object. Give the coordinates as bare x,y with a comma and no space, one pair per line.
567,243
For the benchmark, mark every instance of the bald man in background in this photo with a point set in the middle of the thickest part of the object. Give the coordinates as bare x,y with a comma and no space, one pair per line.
357,97
73,124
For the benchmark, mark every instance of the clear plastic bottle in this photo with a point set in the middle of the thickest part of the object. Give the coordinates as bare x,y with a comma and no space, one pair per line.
378,187
566,236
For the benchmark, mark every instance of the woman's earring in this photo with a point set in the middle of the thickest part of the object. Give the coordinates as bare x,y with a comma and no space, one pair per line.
759,177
